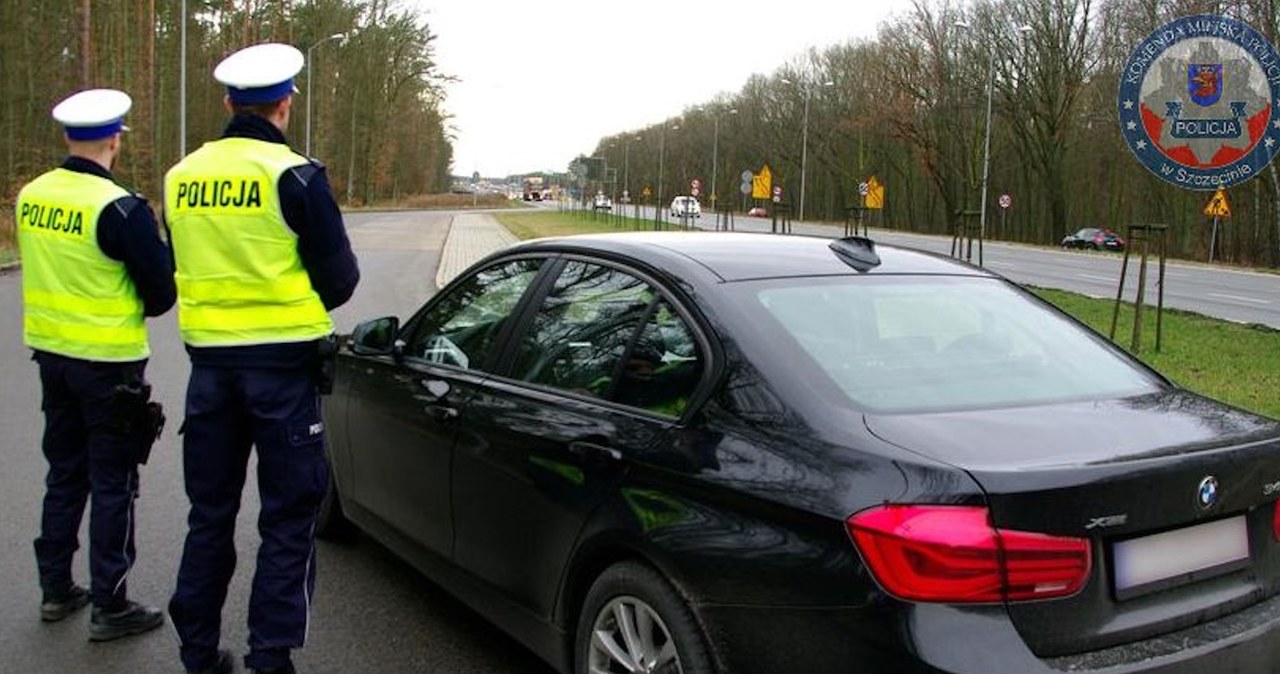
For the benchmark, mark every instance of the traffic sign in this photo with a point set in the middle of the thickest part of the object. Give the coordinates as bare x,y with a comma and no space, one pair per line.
1006,201
646,193
875,194
747,176
777,193
695,183
1218,206
761,183
863,188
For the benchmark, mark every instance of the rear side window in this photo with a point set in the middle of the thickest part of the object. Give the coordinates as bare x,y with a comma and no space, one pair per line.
899,344
663,367
605,333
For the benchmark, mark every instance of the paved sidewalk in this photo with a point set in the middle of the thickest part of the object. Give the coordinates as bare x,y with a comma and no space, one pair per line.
471,237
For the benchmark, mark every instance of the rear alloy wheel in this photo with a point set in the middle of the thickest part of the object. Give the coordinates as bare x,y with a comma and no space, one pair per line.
633,621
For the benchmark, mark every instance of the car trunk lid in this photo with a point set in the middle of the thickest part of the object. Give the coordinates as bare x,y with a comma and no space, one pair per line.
1133,477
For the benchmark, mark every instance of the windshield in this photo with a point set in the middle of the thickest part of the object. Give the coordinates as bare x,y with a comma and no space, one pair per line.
898,343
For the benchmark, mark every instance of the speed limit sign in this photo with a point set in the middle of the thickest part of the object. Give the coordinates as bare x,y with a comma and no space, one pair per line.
1006,201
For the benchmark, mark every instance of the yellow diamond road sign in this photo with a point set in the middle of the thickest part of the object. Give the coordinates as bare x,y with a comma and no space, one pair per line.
1218,206
762,183
875,194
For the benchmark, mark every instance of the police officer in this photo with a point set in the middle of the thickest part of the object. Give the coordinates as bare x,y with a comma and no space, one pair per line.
93,266
261,255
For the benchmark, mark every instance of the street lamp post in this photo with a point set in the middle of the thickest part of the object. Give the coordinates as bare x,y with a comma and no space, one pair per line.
626,163
804,135
310,88
182,87
986,139
715,157
662,148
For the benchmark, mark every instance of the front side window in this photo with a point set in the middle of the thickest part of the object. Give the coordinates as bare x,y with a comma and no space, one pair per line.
462,328
583,328
898,344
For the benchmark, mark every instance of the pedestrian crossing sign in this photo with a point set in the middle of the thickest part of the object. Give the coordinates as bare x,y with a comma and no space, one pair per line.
1218,206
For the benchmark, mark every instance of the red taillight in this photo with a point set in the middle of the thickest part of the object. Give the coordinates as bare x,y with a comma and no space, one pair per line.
952,554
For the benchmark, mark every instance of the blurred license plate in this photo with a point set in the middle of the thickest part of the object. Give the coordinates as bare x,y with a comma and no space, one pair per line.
1160,561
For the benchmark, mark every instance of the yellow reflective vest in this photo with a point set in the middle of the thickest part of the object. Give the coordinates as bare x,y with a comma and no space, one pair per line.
240,278
77,302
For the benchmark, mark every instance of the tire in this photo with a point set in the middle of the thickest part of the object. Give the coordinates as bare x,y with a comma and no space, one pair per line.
632,598
331,523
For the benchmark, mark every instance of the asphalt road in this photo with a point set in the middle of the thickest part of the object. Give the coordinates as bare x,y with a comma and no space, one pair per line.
1221,292
371,613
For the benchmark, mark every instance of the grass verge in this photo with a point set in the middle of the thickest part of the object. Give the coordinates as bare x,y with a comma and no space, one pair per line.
1238,364
8,238
539,224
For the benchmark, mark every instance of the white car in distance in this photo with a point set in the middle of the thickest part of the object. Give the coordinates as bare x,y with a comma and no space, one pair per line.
685,207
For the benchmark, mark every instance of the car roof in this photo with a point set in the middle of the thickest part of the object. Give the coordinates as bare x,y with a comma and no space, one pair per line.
737,256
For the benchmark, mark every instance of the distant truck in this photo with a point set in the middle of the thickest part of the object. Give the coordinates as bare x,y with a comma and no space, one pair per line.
533,188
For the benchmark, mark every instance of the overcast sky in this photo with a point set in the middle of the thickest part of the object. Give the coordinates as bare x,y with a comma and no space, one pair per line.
541,82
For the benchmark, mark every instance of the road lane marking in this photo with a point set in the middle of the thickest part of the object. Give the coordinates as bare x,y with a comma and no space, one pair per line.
1238,298
1092,277
1006,265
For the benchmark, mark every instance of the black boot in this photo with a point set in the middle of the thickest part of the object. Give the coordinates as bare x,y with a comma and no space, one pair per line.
55,607
223,665
134,618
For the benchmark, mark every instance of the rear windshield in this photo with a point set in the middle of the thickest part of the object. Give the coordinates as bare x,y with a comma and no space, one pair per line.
903,343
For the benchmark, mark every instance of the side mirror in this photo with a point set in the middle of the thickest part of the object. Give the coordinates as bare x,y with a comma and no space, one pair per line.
376,337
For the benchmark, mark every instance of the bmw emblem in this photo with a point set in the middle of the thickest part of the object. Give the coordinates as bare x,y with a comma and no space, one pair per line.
1207,493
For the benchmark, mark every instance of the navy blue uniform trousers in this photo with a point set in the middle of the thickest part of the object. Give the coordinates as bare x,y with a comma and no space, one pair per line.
228,412
87,462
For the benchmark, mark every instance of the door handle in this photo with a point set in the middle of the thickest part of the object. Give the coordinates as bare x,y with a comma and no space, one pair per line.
436,388
591,450
441,412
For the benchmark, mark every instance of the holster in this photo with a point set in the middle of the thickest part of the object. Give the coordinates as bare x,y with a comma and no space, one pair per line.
326,363
134,415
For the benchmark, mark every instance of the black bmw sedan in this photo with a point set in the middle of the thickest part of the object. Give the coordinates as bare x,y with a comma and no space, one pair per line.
720,452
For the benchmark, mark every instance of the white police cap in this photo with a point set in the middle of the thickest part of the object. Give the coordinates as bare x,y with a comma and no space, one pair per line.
93,114
262,73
